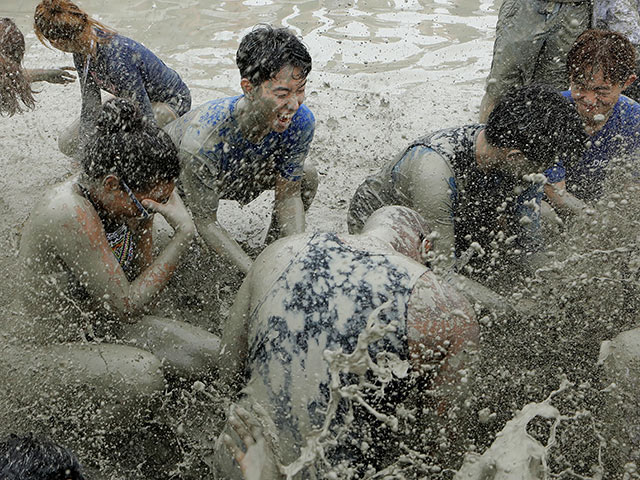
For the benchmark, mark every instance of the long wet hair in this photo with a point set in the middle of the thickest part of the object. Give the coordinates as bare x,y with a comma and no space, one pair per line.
127,145
265,50
64,20
15,87
33,458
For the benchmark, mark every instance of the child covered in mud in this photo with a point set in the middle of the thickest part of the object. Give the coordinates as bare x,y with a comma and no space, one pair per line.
474,184
601,66
15,81
235,148
112,62
325,322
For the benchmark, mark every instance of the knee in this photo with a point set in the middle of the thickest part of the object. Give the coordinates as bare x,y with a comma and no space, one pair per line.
310,182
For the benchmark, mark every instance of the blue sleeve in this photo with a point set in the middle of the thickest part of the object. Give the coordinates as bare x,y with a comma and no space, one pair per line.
297,142
556,173
91,98
131,83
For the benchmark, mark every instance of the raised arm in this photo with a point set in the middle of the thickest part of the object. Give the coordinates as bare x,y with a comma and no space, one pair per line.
81,244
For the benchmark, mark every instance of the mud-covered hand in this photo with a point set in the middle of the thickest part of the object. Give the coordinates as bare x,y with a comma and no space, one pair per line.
60,75
174,211
257,460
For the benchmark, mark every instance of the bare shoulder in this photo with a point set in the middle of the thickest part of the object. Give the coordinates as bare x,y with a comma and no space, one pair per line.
61,207
433,299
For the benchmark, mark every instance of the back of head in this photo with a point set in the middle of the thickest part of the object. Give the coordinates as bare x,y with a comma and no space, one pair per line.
264,51
126,145
541,123
600,50
31,458
14,85
406,230
64,20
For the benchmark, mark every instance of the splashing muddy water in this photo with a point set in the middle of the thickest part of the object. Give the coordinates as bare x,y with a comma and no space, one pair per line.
385,73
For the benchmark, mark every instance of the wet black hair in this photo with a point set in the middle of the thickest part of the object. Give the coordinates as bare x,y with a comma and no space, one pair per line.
127,145
541,123
37,458
265,50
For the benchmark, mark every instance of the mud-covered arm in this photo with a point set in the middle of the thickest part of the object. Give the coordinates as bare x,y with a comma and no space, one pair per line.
563,201
81,243
199,183
288,206
131,85
51,75
443,335
91,98
234,344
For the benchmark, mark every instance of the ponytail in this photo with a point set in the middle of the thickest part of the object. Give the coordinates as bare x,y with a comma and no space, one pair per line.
15,87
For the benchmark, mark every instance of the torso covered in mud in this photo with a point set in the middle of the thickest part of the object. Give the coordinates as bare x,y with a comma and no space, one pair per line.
334,320
223,160
56,305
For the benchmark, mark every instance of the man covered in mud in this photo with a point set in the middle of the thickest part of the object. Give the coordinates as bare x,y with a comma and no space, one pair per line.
601,65
474,184
330,333
235,148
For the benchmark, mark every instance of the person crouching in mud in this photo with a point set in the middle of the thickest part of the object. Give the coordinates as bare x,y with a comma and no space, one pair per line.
90,273
371,301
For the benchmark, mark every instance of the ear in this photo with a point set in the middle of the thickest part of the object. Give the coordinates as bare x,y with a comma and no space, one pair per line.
632,78
111,182
247,87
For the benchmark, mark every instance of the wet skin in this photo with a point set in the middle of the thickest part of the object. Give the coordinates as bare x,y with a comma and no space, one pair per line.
595,98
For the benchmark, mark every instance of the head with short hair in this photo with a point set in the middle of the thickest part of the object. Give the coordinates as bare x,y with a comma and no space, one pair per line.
32,458
539,122
15,87
601,50
265,51
128,146
63,21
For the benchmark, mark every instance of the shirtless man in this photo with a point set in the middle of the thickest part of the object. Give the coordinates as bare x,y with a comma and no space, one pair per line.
471,185
320,313
235,148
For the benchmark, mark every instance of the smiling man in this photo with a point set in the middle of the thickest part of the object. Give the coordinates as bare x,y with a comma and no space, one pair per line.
235,148
601,65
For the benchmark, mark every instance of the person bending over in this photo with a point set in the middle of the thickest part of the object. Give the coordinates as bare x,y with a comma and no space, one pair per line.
87,247
109,61
15,81
601,65
321,314
235,148
467,182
